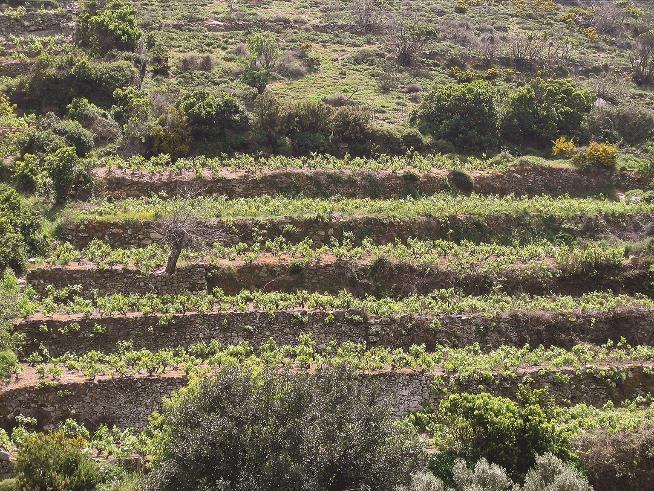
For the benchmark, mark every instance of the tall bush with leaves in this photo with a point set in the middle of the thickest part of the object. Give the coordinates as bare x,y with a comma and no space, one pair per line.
543,110
241,430
463,114
102,28
56,462
211,115
510,433
20,229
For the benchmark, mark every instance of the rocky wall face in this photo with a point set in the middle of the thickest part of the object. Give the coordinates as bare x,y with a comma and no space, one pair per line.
529,179
78,334
322,231
127,401
118,279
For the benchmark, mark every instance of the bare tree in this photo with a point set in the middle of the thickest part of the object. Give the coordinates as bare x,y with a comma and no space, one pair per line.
368,14
181,229
608,17
642,59
408,39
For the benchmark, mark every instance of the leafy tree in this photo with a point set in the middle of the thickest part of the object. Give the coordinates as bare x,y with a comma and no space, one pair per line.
60,173
242,430
19,228
210,115
56,81
543,110
102,28
55,462
510,433
264,50
463,114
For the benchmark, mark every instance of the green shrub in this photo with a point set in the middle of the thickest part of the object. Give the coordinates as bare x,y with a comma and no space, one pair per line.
629,124
511,433
19,228
55,462
211,115
460,181
50,133
56,81
59,175
543,110
172,134
95,119
104,28
268,431
463,114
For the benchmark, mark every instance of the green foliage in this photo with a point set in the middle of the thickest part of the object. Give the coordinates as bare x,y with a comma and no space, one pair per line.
257,78
60,175
628,124
56,81
20,229
246,430
95,119
463,114
264,50
512,433
211,115
172,134
102,28
543,110
55,462
49,133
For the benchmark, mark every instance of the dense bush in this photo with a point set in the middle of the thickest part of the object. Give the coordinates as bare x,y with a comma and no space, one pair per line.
95,119
19,229
510,433
211,115
50,133
55,81
102,28
59,175
548,474
243,431
621,460
172,134
463,114
543,110
621,124
57,463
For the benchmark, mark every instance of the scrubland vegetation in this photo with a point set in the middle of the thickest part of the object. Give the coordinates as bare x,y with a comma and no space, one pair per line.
502,150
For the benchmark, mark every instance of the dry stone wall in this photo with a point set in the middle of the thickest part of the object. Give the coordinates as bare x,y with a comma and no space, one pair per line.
127,401
528,179
322,231
118,279
80,334
378,278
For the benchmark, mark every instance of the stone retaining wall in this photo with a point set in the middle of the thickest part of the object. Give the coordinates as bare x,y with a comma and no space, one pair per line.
378,278
80,334
118,280
127,401
526,179
379,229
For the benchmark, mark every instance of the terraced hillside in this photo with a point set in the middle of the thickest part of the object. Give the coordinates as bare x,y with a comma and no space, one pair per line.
447,204
494,294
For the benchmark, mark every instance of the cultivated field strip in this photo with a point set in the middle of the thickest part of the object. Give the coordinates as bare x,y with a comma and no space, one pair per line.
299,178
374,277
115,398
76,333
424,296
133,222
